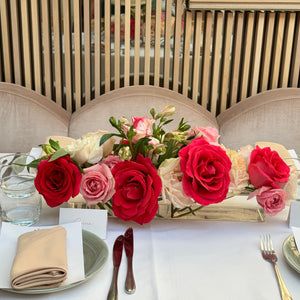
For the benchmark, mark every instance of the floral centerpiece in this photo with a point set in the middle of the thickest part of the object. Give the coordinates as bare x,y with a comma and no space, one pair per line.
130,171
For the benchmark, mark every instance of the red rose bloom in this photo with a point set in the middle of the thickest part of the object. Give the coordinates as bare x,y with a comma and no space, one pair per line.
266,168
58,180
205,169
137,186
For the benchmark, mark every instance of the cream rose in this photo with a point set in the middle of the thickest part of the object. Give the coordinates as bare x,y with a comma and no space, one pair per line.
171,177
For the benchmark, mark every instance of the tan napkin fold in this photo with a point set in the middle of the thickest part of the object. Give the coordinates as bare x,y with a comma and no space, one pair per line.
41,259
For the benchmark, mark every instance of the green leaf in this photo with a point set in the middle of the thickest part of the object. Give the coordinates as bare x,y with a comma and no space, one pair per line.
168,121
54,144
105,137
59,153
34,163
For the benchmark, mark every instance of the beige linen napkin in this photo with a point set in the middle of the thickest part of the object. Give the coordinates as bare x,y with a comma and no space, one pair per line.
41,259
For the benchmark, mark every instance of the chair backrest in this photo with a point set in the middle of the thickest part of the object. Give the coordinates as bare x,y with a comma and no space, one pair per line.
27,118
136,101
271,116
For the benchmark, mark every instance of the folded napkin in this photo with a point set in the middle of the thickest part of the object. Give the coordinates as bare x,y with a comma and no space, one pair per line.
41,259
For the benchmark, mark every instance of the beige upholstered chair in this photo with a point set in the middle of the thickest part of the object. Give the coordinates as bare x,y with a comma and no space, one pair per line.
27,118
136,101
271,116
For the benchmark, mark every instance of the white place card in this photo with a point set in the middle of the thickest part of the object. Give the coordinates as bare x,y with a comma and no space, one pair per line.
93,220
294,214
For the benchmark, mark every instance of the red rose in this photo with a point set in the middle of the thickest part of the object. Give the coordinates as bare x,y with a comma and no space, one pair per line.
266,168
205,169
137,186
58,180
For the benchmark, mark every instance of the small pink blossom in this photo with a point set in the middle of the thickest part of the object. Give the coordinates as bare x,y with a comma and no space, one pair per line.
97,184
110,161
210,134
271,200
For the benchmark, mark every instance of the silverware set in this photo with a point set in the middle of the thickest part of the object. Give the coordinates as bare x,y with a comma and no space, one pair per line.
268,253
121,241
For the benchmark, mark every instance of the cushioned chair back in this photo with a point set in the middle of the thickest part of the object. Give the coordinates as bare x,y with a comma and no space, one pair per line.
271,116
27,118
136,101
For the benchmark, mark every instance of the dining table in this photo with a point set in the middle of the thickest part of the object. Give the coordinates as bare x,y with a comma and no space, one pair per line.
176,259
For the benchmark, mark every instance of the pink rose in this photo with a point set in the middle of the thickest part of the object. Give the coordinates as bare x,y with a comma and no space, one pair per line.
205,169
266,168
210,134
142,127
97,184
110,161
271,200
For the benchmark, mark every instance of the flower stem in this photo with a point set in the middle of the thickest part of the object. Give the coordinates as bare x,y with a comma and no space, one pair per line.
190,211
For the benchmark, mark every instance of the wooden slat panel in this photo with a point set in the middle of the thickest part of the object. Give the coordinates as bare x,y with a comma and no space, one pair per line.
296,56
186,55
177,44
77,55
57,51
107,44
226,61
36,33
247,54
197,53
68,53
127,44
147,43
277,48
97,47
26,44
87,49
259,30
167,49
117,74
137,34
206,59
237,42
15,27
216,62
267,50
287,50
47,48
157,43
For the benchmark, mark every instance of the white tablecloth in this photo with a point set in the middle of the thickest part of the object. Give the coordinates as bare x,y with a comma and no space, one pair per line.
182,259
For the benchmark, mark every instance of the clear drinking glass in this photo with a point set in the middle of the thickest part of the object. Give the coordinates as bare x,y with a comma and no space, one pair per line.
19,199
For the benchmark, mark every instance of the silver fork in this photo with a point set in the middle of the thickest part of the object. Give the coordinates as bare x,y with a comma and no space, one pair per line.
268,253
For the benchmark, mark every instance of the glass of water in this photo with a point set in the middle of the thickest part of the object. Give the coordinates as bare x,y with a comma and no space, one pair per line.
19,199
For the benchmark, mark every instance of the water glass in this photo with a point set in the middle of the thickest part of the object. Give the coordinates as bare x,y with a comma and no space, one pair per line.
19,199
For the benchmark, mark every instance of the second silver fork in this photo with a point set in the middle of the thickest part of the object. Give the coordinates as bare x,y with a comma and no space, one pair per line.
268,253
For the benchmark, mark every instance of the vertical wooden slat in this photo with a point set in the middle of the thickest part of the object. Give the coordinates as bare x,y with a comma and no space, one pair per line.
47,49
137,34
77,55
15,27
147,43
186,56
247,54
97,47
167,49
157,43
26,44
36,33
296,56
215,78
257,53
68,53
57,51
127,44
177,45
206,59
117,74
237,45
107,44
267,50
277,48
197,54
87,49
226,61
287,50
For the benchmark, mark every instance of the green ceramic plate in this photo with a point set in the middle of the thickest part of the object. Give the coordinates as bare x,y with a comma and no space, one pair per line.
291,253
95,253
